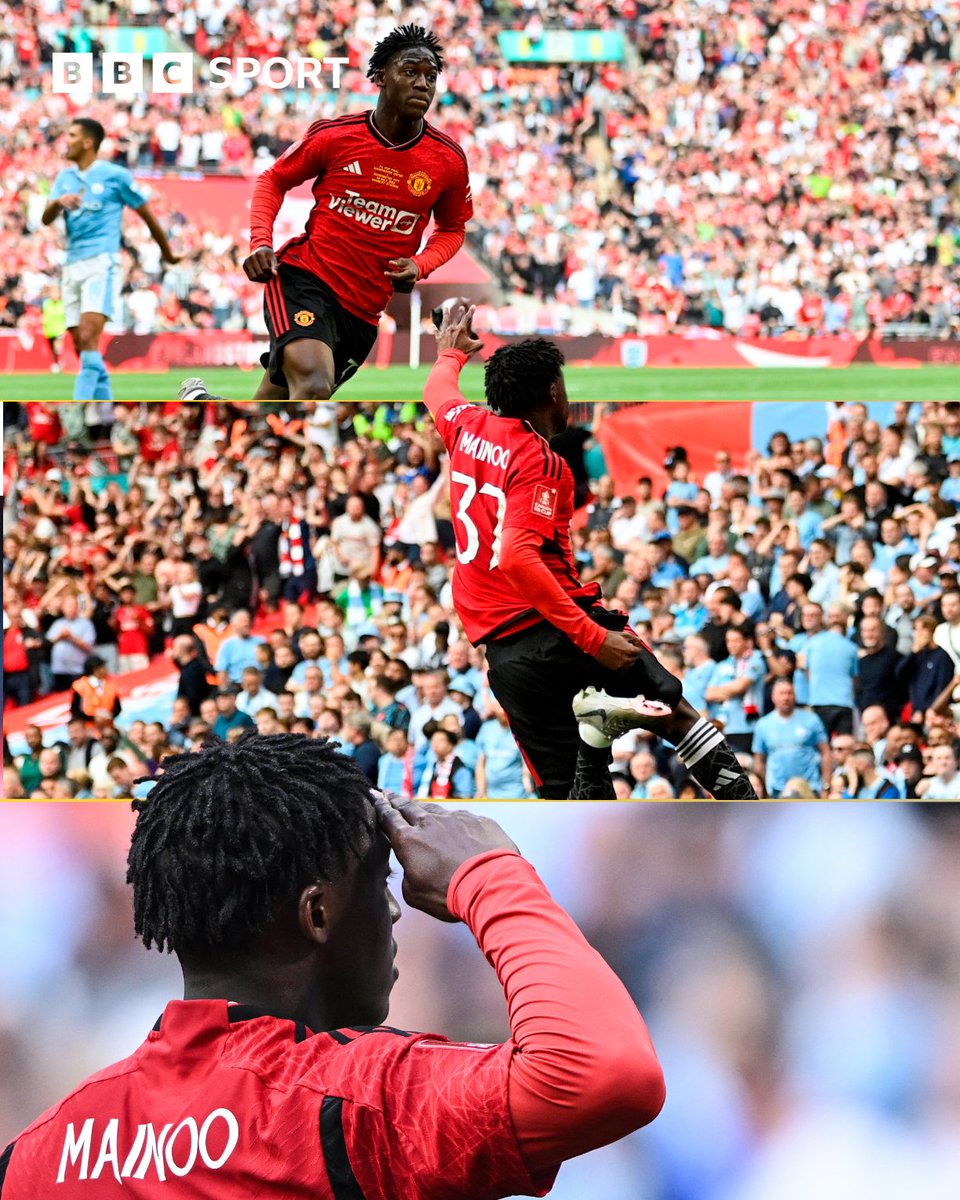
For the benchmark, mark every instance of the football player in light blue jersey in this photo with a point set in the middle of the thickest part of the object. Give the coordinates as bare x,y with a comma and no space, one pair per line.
92,195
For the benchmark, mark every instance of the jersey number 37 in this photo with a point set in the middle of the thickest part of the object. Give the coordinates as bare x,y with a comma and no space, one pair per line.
466,554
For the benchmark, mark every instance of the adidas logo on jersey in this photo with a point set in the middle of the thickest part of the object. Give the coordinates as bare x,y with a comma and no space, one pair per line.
353,168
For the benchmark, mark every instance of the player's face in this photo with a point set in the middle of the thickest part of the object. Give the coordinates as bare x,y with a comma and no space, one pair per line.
78,141
561,404
410,82
359,971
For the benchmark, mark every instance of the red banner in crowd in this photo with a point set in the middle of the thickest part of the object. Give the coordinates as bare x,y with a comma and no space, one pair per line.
635,441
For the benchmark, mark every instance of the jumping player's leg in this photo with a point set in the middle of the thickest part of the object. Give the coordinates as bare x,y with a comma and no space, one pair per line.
700,746
315,344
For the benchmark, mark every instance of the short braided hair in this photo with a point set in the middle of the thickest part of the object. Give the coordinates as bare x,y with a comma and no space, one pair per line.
404,37
517,377
231,833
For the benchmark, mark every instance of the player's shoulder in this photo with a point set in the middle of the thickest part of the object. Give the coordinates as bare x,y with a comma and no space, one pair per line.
341,126
102,1080
110,170
443,143
356,1062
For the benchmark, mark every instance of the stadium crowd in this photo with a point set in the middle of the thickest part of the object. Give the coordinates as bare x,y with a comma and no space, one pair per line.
781,168
796,964
295,569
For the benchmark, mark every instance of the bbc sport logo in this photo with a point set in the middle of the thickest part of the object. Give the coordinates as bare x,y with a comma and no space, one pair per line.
135,75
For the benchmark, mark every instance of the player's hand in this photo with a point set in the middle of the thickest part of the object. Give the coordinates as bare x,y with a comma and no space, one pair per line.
404,274
455,332
619,650
431,843
71,200
261,265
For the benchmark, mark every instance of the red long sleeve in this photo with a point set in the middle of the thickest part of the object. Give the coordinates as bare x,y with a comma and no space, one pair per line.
266,202
441,246
443,382
584,1072
521,562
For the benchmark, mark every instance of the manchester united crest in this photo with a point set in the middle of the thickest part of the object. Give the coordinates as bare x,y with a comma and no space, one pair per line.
419,183
304,317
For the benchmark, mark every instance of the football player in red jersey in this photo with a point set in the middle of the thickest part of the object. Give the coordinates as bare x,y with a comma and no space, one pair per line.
554,652
263,864
378,178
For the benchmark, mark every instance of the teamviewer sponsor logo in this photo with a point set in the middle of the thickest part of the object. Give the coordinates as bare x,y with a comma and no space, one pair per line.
374,214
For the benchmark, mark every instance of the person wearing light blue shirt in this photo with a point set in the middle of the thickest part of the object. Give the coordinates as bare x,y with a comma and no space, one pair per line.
698,671
238,651
500,768
91,195
791,743
735,693
832,662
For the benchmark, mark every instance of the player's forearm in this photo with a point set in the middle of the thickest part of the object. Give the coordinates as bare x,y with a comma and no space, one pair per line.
266,203
523,566
443,382
51,212
156,232
441,246
585,1072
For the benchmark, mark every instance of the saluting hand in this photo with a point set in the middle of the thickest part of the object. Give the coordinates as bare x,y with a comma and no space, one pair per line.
432,842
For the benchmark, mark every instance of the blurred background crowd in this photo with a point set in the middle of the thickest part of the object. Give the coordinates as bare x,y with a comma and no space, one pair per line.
798,967
290,568
777,168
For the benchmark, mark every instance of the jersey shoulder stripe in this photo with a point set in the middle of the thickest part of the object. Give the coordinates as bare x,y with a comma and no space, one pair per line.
330,122
4,1163
343,1182
446,141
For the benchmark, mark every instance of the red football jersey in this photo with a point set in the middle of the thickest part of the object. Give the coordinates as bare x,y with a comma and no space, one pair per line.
223,1101
372,203
503,475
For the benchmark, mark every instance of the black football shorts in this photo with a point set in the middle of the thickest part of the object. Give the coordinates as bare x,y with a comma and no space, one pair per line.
535,676
297,304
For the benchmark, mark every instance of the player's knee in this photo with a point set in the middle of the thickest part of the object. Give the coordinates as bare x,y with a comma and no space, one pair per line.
311,387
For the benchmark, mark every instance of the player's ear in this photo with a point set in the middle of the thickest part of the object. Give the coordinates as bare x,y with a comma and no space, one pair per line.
378,77
313,915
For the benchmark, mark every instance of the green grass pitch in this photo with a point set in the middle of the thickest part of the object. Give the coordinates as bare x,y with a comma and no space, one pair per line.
583,383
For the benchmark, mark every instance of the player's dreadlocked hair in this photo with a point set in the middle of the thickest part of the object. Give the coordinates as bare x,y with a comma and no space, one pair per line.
231,833
405,37
517,377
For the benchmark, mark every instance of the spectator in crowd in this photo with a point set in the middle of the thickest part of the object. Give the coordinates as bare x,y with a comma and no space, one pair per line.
133,625
864,781
254,695
928,668
790,743
358,743
395,766
499,770
81,746
193,687
735,692
944,783
229,715
879,680
93,696
238,650
832,665
445,776
72,638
